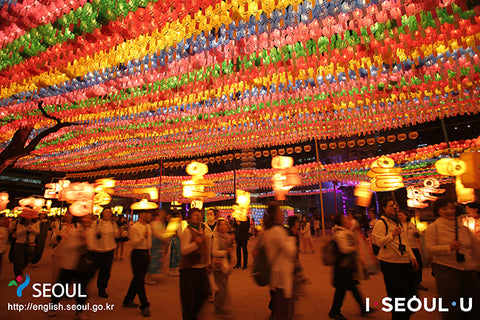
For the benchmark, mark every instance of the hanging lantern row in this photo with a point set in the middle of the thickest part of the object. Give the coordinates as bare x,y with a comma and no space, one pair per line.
370,141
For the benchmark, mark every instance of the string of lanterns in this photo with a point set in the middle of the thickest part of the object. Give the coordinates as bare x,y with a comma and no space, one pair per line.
185,79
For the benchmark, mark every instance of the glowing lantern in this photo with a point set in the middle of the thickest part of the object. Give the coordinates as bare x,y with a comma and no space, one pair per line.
103,189
53,190
471,176
384,176
285,178
172,227
197,204
32,202
81,208
3,200
152,192
78,191
144,204
195,188
417,196
363,194
450,167
240,210
464,195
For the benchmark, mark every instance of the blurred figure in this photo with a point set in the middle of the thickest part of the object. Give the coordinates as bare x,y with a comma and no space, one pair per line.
281,250
210,227
222,265
306,235
174,253
3,238
194,285
372,220
141,241
241,236
158,232
123,237
316,224
413,237
102,237
472,220
354,224
25,231
345,273
72,242
455,260
396,258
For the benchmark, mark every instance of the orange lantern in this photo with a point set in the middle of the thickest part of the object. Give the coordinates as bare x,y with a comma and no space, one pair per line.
289,150
273,152
324,146
351,144
413,135
342,144
384,176
281,152
332,145
381,140
363,194
265,153
258,154
361,142
402,136
307,148
391,138
371,141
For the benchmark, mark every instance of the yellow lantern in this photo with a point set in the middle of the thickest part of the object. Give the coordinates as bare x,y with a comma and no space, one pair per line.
464,195
152,192
285,177
384,176
450,167
471,176
418,196
363,194
144,204
195,188
240,210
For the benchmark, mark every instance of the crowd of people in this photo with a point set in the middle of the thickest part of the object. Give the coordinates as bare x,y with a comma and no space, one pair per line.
200,250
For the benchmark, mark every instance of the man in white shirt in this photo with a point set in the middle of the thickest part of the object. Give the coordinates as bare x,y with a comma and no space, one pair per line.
397,260
141,240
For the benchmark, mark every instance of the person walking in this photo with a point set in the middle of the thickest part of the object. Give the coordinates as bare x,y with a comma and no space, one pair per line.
194,285
141,241
158,232
397,260
281,250
174,254
222,265
122,238
316,224
455,261
241,237
472,220
103,234
413,236
346,271
210,227
306,235
25,231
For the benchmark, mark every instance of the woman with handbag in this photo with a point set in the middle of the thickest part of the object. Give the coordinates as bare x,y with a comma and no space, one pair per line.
222,264
345,273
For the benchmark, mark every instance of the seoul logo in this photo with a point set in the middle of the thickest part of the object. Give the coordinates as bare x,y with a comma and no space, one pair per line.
22,285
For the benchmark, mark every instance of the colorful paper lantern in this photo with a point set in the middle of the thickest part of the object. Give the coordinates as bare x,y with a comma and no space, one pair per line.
363,194
384,176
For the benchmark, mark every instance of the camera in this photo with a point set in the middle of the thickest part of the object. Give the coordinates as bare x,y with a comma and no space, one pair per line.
99,235
402,249
460,257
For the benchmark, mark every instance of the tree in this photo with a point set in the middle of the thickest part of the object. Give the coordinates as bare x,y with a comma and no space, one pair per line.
17,149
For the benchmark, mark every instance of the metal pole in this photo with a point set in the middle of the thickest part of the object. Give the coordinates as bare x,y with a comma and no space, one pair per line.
444,129
234,180
320,187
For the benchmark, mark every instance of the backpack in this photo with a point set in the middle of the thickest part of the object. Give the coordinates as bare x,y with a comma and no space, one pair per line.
375,248
261,267
330,253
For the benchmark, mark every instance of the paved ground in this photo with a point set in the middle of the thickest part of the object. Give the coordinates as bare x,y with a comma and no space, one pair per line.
248,300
